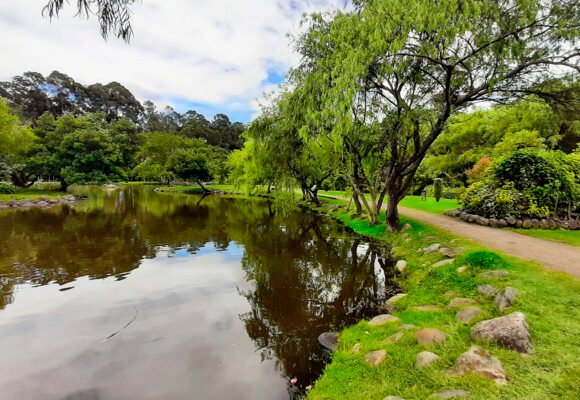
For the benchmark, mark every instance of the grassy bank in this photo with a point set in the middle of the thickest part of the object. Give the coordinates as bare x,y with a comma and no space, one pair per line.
432,206
549,300
31,194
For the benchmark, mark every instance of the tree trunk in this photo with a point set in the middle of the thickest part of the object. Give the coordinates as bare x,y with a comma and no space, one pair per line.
63,185
205,190
357,203
393,221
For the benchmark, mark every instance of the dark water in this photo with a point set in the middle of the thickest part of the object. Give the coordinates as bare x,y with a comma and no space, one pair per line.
139,295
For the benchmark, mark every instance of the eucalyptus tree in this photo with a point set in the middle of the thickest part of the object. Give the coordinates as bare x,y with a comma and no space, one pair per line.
114,15
402,69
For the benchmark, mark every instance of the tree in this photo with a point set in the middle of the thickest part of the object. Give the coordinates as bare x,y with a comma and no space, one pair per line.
189,165
404,68
114,15
16,141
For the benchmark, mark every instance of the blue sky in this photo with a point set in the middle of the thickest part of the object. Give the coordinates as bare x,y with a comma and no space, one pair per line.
211,56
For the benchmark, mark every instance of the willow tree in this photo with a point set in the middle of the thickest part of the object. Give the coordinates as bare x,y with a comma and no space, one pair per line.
402,69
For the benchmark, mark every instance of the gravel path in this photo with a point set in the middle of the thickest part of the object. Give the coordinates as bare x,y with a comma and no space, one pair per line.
554,255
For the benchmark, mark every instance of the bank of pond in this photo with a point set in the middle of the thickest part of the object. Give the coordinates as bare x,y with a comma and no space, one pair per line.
132,293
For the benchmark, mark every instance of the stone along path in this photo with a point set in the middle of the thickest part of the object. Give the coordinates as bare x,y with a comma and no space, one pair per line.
554,255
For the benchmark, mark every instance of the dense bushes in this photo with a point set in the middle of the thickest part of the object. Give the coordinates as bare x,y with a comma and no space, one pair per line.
527,183
6,188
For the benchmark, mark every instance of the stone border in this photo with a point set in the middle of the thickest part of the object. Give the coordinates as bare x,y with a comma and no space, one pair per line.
525,223
41,202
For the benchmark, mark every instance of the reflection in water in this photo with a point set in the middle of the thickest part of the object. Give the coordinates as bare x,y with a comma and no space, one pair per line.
207,298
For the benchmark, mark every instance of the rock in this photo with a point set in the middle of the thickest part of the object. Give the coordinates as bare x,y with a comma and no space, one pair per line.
429,238
544,224
527,223
393,398
328,340
401,265
450,293
395,298
472,218
430,336
27,204
459,302
375,357
483,221
479,361
497,273
468,314
427,308
356,348
382,319
493,222
535,223
407,327
552,224
447,252
109,187
506,298
511,221
3,206
462,269
450,394
443,263
511,331
464,217
487,290
425,358
452,213
431,249
519,223
42,198
387,307
502,223
42,204
406,227
395,337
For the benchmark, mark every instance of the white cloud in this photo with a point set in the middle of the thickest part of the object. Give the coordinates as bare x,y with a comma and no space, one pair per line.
217,53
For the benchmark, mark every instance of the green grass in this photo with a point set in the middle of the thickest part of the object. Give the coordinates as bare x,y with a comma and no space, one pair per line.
551,302
563,236
31,194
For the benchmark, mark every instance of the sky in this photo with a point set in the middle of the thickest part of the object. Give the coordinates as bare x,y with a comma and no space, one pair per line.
208,55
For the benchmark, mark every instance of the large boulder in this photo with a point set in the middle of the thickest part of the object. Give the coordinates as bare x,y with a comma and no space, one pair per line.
430,336
328,340
431,249
478,360
468,314
506,298
401,265
375,357
450,394
425,358
383,319
487,290
459,302
443,263
511,331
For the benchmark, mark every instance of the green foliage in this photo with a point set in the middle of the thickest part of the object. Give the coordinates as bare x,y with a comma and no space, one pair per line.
483,259
188,165
528,182
6,188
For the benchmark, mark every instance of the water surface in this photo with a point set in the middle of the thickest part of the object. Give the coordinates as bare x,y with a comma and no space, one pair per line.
135,294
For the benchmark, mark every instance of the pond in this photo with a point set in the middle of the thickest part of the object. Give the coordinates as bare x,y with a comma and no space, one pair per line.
134,294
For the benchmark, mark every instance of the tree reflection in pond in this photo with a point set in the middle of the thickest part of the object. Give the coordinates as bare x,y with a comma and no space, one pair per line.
302,274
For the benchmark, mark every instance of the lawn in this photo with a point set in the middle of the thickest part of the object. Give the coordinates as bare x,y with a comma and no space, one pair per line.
550,301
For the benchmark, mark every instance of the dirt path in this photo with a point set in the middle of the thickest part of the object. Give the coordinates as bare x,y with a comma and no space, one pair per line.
554,255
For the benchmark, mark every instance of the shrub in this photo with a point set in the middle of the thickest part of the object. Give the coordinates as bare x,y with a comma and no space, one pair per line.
438,189
484,260
6,188
526,183
479,169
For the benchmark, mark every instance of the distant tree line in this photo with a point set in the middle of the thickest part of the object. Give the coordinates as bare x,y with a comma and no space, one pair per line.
55,128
